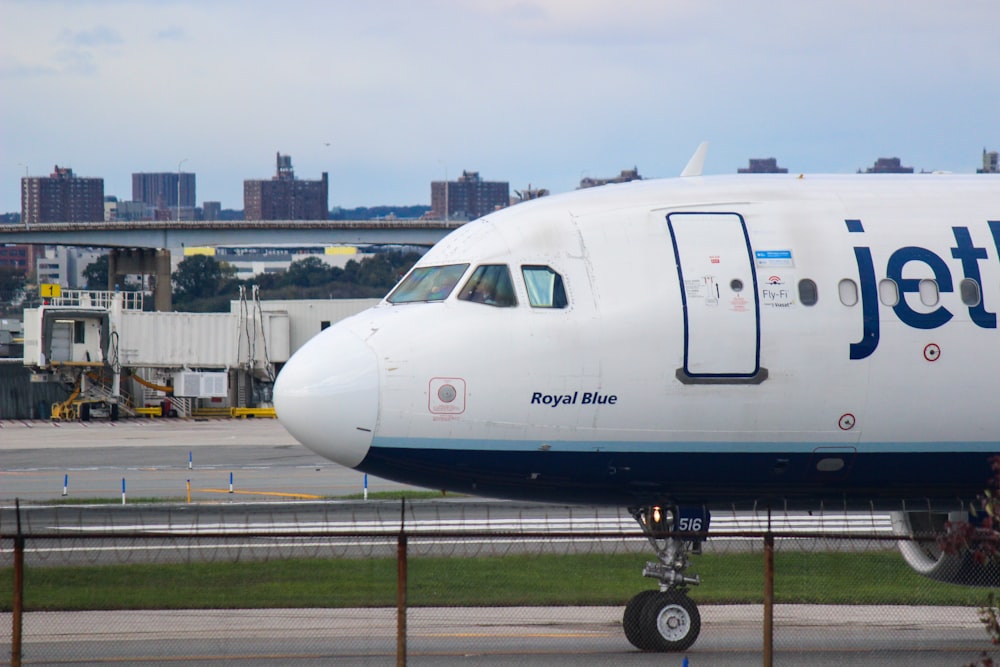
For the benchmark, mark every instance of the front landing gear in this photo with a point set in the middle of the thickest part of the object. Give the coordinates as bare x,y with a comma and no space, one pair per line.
667,619
662,621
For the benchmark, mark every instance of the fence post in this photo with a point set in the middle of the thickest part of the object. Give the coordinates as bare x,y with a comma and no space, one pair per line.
18,602
768,596
401,589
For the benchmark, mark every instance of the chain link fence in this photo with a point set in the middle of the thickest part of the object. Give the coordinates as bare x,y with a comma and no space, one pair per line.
454,581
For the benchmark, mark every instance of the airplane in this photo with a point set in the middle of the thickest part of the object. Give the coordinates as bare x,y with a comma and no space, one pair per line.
681,345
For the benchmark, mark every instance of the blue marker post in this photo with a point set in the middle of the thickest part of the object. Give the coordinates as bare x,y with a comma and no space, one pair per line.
230,482
66,484
366,486
190,460
123,490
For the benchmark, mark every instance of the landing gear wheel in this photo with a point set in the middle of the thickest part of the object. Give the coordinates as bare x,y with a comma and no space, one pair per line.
667,620
632,620
670,622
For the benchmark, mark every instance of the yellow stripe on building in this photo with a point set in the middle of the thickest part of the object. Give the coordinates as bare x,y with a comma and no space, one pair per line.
340,250
199,250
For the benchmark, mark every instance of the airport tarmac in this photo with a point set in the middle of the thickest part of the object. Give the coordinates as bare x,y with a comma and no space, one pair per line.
812,635
157,457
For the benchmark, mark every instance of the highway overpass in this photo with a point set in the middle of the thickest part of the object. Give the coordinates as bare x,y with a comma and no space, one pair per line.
186,233
143,247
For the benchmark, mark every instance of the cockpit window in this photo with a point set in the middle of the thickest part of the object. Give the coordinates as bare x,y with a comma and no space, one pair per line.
428,283
490,284
545,287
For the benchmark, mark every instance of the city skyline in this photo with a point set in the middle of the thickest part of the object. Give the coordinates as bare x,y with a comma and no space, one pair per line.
390,97
988,164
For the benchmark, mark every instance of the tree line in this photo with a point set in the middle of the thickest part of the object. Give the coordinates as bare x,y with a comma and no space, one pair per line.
202,283
12,288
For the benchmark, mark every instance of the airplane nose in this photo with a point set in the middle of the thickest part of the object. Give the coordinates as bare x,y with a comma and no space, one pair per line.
326,396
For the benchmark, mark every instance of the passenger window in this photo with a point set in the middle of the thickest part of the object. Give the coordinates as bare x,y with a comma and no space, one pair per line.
888,292
490,284
808,293
428,283
545,287
971,294
929,294
848,290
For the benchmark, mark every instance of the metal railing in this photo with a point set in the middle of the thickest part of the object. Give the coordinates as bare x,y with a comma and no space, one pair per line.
98,299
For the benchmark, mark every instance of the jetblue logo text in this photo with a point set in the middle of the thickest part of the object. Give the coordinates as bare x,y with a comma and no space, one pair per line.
965,251
576,398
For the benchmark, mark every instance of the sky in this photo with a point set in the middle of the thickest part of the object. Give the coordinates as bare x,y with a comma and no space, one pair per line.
389,95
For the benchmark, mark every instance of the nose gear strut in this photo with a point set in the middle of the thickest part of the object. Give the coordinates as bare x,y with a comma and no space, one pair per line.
667,619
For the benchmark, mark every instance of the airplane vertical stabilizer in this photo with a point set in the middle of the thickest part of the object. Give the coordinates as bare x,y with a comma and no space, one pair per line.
697,161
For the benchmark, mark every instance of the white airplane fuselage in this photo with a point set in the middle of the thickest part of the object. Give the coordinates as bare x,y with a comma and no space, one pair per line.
723,340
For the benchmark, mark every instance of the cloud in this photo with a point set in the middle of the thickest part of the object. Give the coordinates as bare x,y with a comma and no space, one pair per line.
523,90
12,68
46,39
171,33
76,53
97,36
77,61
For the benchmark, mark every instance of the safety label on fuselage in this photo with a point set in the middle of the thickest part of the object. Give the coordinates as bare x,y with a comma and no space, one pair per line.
774,258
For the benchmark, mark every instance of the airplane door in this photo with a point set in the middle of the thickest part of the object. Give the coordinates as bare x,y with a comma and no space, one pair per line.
719,295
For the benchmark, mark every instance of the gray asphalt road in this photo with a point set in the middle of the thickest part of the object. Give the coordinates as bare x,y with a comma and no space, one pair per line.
804,635
157,457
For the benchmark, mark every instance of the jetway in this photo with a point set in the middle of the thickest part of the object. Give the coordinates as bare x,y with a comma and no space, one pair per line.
87,328
120,360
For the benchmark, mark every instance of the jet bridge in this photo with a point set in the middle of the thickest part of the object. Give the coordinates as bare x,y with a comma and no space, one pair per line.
124,360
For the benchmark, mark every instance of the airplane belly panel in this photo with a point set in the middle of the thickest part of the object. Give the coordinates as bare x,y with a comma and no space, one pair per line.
792,479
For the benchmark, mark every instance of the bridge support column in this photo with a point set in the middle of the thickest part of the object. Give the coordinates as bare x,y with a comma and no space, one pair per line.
143,261
163,289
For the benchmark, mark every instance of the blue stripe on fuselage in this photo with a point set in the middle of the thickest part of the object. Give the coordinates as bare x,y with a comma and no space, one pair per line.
789,477
636,446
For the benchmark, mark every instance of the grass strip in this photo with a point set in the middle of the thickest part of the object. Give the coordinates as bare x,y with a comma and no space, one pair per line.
596,579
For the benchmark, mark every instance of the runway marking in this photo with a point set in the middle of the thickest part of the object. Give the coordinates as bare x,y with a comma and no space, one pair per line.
596,634
307,496
220,657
